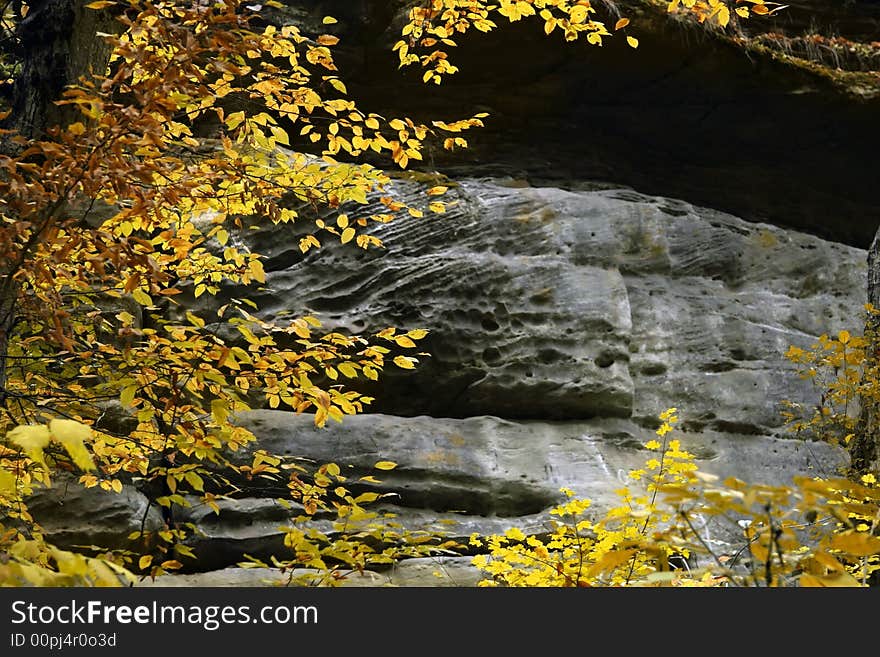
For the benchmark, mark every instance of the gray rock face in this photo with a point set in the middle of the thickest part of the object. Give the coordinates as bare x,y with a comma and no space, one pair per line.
550,304
75,516
480,474
485,473
491,467
448,571
562,323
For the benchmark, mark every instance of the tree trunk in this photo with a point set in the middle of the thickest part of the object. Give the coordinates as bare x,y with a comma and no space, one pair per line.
58,44
7,322
864,449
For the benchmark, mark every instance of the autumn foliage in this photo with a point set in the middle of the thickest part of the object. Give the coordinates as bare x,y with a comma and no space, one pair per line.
203,123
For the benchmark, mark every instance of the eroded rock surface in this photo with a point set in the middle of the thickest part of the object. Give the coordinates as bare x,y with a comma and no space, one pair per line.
552,304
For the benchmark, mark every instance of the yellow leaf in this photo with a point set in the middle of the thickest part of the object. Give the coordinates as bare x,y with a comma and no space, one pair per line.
76,128
610,561
100,4
195,320
347,369
195,481
280,135
437,191
329,20
145,561
7,483
127,395
578,14
632,41
622,23
32,439
835,580
843,337
69,562
347,235
825,560
404,341
72,435
141,297
385,465
860,544
219,410
417,334
255,267
404,362
127,319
